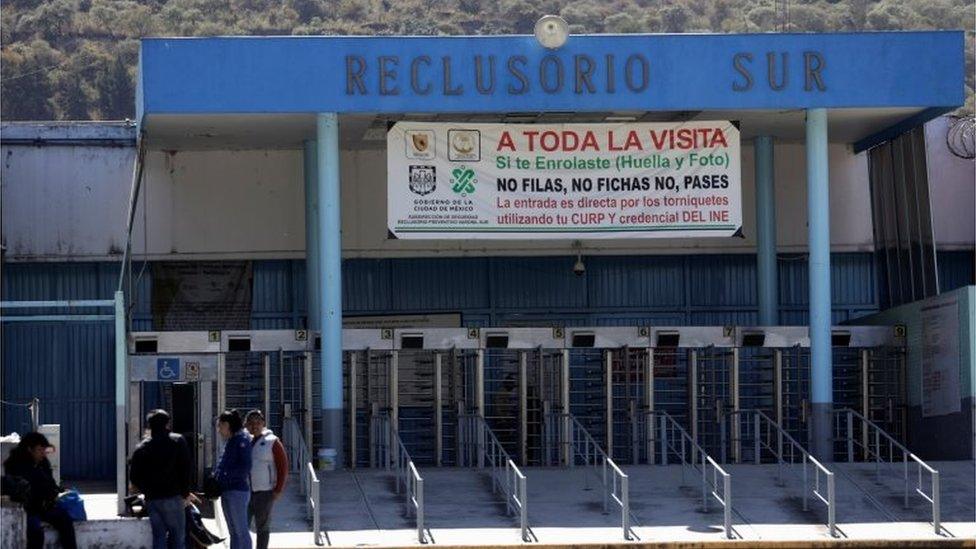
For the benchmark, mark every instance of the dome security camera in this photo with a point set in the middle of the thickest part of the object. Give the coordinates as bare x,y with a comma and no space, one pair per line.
579,268
551,31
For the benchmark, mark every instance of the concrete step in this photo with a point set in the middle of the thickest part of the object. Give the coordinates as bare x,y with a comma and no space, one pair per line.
957,488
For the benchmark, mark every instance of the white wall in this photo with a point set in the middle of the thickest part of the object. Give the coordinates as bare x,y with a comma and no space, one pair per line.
69,202
222,204
64,201
952,185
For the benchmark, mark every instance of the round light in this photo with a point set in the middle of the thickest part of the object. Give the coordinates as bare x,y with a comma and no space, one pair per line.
551,31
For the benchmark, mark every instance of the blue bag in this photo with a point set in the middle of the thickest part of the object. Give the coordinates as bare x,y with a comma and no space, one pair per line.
71,503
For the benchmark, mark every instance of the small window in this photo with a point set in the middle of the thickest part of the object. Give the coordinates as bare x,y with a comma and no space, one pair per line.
318,343
239,344
496,341
414,341
147,346
840,339
584,340
753,339
668,339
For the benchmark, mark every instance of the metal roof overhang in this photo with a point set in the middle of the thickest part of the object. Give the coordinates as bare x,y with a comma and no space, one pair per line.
263,92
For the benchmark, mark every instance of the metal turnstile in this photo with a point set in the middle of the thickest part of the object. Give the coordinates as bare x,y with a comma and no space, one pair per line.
608,378
628,378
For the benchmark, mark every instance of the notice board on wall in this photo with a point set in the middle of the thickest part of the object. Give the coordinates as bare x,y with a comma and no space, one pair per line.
940,358
547,181
201,295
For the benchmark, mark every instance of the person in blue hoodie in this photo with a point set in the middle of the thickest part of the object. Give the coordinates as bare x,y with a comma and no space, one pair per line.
232,473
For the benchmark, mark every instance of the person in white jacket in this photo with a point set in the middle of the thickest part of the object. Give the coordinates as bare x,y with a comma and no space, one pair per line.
269,470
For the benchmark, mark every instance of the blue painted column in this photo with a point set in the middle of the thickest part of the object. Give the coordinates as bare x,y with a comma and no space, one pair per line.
766,275
330,281
818,215
312,261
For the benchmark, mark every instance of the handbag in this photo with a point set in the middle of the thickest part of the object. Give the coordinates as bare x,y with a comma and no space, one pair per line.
211,488
197,531
71,503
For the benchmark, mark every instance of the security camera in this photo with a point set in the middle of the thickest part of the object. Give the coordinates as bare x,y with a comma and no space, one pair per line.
579,268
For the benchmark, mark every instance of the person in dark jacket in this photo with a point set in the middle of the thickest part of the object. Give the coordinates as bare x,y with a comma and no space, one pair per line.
160,468
232,473
29,462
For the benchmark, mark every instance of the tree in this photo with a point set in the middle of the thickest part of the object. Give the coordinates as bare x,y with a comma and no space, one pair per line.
71,97
674,18
116,94
26,84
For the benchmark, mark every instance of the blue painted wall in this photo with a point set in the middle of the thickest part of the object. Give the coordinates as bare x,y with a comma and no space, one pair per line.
685,72
69,367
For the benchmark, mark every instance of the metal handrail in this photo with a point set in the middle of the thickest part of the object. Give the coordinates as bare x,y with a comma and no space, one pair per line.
764,429
384,437
474,432
873,451
676,440
616,483
308,479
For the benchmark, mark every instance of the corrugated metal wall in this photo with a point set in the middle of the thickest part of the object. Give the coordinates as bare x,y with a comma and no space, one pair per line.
615,290
69,367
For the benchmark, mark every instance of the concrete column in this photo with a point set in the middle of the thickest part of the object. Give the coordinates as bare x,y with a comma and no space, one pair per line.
312,260
766,276
818,214
330,281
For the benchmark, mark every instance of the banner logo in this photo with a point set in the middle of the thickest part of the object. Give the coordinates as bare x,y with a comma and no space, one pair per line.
465,145
463,181
423,179
420,144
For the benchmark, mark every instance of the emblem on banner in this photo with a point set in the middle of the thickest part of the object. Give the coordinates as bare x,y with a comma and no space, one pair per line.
423,179
463,180
420,144
464,145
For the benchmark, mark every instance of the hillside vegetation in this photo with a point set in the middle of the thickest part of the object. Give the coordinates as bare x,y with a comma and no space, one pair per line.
76,59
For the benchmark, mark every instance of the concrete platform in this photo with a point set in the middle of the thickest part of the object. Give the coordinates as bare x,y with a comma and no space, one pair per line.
566,508
360,508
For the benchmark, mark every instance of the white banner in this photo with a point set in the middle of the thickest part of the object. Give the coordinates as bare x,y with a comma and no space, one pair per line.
538,181
940,359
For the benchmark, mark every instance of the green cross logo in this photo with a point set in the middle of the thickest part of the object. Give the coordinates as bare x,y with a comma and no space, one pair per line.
463,180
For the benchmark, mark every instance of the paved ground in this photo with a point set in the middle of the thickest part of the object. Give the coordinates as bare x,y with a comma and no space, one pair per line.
360,508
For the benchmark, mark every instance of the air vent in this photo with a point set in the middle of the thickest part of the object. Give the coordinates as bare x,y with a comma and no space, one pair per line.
239,344
584,340
147,346
668,339
496,341
753,339
414,341
840,339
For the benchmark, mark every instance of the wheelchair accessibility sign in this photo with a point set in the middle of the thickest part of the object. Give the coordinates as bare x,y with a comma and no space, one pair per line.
168,369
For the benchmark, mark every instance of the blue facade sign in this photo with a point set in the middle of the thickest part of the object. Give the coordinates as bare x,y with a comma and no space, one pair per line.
168,369
515,74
